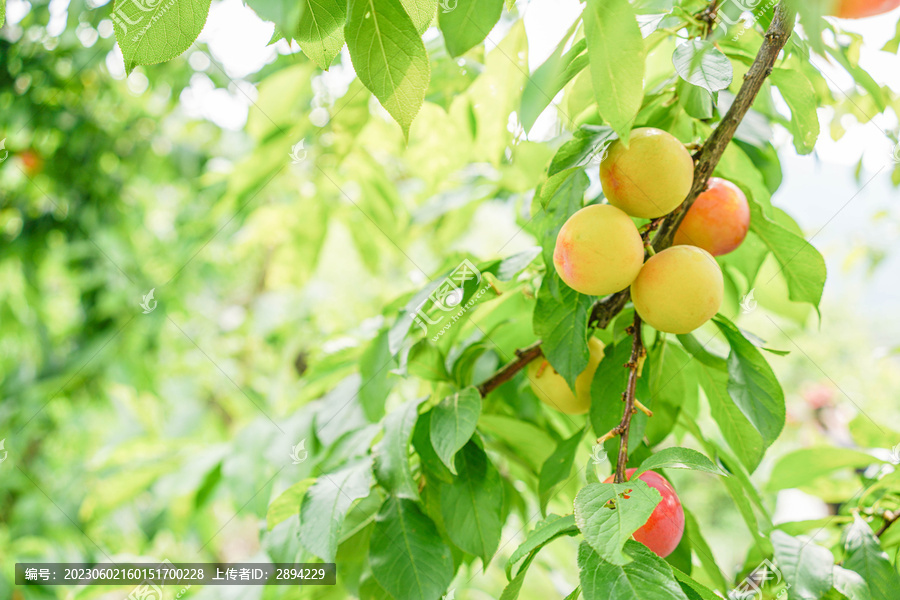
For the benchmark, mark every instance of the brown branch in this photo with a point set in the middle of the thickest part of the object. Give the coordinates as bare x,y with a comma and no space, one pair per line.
634,363
709,155
523,357
706,160
889,519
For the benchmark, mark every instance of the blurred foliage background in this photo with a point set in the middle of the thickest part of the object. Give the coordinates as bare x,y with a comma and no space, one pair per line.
277,244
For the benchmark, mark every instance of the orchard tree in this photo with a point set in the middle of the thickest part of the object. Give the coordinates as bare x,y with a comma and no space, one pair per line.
511,403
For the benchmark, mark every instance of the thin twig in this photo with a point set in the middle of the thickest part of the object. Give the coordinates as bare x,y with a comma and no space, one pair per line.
889,519
634,363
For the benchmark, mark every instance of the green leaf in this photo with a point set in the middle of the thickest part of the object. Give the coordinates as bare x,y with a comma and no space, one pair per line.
507,268
453,422
701,64
869,434
2,12
589,141
153,34
549,78
806,566
850,584
388,56
391,454
374,368
863,554
616,50
556,469
514,587
421,12
647,577
527,442
800,96
406,553
742,437
321,31
426,361
804,466
561,322
697,102
471,505
609,382
678,458
692,588
287,503
607,525
671,389
284,13
547,530
468,24
802,265
326,503
702,550
752,384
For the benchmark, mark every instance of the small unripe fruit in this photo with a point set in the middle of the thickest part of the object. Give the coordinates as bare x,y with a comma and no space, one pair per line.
598,251
663,530
679,289
552,389
650,177
857,9
718,220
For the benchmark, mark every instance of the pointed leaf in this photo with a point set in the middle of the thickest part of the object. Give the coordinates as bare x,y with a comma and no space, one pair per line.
453,422
557,468
616,50
392,467
543,533
805,566
406,553
326,503
647,577
700,63
388,56
154,32
678,458
321,31
471,505
468,24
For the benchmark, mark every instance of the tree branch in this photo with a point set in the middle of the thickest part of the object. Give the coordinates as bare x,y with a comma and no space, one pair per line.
709,155
889,519
705,163
523,357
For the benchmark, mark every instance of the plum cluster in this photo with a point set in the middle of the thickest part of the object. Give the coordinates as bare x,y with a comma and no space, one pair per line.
599,250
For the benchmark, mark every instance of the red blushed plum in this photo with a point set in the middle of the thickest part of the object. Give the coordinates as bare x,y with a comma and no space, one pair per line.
718,220
857,9
663,530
